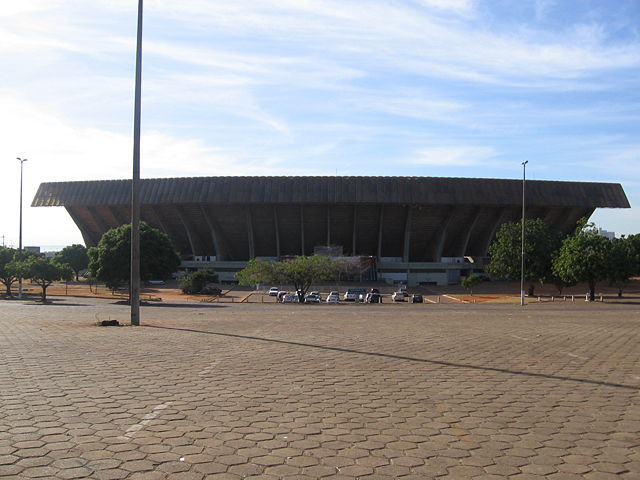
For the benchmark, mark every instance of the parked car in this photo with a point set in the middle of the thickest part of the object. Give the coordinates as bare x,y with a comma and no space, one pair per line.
398,296
374,297
290,298
156,282
273,291
353,294
313,297
333,297
416,298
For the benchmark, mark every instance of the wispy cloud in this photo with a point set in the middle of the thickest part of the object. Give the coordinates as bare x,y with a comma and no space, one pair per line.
402,34
306,86
453,156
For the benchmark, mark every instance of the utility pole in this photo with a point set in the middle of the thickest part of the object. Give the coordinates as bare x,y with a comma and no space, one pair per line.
21,160
134,294
524,170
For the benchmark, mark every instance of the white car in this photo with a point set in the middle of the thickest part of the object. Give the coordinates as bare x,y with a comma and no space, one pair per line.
333,297
273,291
398,296
353,294
313,297
290,298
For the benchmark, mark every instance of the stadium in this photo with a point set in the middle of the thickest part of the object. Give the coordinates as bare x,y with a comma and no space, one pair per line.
418,230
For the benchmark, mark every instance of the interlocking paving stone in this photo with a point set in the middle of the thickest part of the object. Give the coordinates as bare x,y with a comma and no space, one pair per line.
288,392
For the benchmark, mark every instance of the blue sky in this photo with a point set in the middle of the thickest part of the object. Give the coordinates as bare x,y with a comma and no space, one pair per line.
459,88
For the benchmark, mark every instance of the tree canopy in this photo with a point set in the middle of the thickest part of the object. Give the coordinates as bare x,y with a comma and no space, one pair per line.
110,260
42,271
622,263
583,257
195,282
75,256
470,282
9,268
301,272
7,273
634,242
540,241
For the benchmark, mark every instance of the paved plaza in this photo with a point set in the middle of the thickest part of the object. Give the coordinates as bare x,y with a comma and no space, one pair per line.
235,391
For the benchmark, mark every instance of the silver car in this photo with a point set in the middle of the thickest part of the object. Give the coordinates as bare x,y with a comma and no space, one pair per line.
333,297
290,298
398,296
313,297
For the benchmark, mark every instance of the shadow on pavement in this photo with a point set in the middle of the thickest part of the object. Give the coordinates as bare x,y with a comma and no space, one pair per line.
173,305
400,357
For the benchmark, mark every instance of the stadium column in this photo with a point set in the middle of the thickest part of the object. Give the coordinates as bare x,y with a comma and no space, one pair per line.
85,231
187,230
215,236
355,221
157,219
467,235
328,225
438,246
117,215
276,230
250,237
407,235
380,223
301,230
492,231
98,221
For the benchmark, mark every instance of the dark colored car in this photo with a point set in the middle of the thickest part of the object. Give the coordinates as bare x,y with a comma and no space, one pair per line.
415,298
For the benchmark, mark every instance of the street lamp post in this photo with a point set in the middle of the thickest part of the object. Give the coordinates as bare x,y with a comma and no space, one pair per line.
21,160
524,176
134,293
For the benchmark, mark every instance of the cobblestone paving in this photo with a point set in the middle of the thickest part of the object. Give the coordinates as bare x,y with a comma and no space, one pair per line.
309,392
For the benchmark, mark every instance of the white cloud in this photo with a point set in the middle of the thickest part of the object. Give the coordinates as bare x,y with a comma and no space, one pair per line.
58,150
400,34
10,9
411,104
454,156
460,7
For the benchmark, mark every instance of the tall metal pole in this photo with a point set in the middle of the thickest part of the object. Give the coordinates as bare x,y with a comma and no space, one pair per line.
524,176
21,160
134,296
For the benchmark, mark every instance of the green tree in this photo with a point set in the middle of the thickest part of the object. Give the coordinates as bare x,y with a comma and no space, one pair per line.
301,272
583,257
195,282
540,242
110,260
470,282
42,271
9,271
634,241
621,263
7,274
75,256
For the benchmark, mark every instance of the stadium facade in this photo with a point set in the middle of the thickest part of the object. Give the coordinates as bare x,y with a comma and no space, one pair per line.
413,229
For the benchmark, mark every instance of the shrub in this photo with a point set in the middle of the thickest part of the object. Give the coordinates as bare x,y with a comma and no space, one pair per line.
196,282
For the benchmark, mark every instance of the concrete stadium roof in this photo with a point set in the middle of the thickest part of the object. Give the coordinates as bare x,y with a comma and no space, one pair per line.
333,190
417,219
